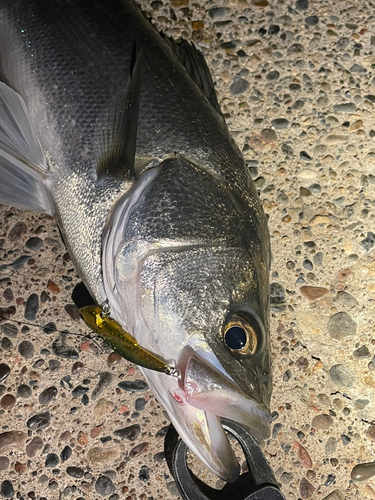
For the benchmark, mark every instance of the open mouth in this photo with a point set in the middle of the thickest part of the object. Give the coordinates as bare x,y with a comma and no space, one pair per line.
215,395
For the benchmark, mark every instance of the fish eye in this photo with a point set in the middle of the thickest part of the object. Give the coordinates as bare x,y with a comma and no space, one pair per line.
241,334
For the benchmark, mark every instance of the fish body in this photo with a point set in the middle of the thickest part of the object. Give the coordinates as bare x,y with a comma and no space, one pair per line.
116,132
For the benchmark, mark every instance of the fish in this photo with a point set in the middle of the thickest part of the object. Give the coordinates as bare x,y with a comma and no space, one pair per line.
116,131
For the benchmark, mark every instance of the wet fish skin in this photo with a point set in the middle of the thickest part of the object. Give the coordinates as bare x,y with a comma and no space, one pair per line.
179,247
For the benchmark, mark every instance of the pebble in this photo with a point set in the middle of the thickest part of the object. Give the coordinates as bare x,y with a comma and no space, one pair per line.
65,453
51,285
219,12
73,312
62,350
342,376
131,433
334,495
99,456
280,123
26,349
4,372
239,86
323,421
144,474
312,20
346,107
105,379
39,421
305,156
79,391
32,307
363,472
139,449
8,295
76,472
24,391
10,330
54,365
7,312
6,344
140,404
113,358
370,433
318,259
313,292
162,432
6,489
345,439
356,68
160,457
303,456
34,243
104,486
346,299
277,297
302,4
369,242
51,460
77,367
11,439
362,353
49,328
47,395
7,402
137,385
341,325
330,446
17,231
307,264
173,489
35,445
306,489
102,407
4,463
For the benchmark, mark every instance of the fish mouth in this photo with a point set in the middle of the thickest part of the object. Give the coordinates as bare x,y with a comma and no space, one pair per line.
210,390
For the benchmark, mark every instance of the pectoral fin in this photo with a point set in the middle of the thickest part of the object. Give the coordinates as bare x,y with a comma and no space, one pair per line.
117,131
23,165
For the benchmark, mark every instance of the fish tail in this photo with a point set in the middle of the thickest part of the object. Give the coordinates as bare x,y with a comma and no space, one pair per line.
23,166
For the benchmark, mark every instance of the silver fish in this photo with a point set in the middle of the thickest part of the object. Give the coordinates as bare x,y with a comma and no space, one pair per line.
116,132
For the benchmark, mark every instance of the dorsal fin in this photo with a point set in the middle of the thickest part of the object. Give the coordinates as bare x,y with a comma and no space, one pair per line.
195,64
117,133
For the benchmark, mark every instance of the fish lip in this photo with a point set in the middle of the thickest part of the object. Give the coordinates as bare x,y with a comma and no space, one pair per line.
220,397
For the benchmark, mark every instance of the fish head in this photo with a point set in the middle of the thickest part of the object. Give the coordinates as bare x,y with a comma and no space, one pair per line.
204,306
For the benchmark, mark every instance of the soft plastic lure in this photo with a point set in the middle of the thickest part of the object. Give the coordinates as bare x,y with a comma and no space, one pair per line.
121,341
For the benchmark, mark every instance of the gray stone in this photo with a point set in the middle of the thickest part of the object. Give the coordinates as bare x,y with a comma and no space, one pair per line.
346,107
32,307
280,123
239,86
104,486
26,349
133,385
342,376
341,325
34,243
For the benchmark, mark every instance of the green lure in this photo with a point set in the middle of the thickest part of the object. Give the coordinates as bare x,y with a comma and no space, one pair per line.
121,341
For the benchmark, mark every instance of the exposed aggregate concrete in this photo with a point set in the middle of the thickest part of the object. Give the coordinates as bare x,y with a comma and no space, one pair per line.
296,84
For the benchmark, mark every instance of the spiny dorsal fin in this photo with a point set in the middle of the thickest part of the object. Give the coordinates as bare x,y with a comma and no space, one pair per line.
195,64
117,137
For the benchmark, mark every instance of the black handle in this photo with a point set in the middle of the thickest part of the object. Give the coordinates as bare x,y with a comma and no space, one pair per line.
257,484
